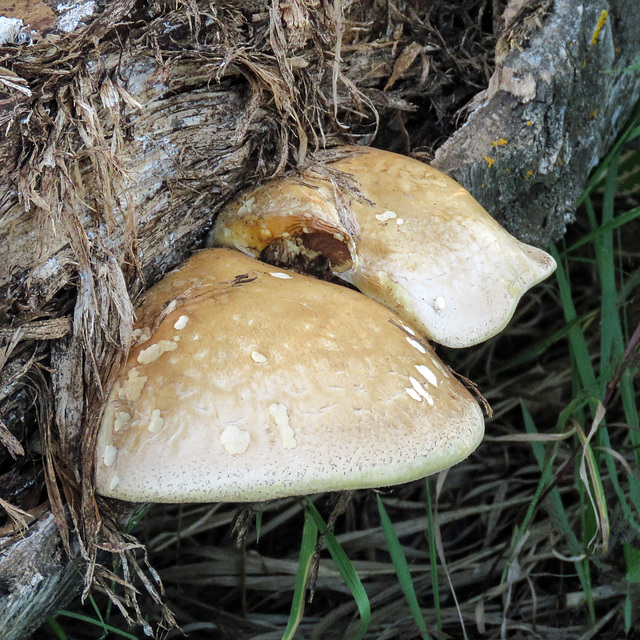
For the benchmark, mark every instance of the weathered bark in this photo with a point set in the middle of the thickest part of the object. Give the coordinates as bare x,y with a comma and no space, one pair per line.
36,578
162,137
557,106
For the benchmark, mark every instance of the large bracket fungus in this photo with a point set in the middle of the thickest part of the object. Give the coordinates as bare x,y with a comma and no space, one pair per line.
410,237
250,383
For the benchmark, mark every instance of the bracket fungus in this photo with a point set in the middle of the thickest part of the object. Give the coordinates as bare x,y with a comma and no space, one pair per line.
249,383
412,238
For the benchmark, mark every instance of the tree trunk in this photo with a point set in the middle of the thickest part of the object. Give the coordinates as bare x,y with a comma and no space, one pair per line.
124,137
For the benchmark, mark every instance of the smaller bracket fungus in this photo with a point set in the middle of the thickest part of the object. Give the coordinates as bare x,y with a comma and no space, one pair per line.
413,239
250,383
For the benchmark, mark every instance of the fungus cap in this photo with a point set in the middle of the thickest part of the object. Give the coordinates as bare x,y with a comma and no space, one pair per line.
250,383
417,242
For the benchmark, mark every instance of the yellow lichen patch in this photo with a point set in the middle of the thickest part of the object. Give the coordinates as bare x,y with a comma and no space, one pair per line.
528,174
500,142
488,160
602,20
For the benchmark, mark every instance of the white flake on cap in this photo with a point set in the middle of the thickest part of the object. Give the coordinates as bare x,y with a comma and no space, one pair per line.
156,423
428,375
279,274
413,393
132,386
115,481
420,390
235,440
140,335
409,330
181,323
247,205
416,345
280,416
439,303
386,215
152,353
122,421
256,356
110,455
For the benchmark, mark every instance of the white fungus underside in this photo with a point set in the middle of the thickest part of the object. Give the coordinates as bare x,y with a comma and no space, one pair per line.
327,409
449,268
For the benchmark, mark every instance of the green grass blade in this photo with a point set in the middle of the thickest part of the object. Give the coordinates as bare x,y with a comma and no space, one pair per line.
402,568
137,516
631,131
546,467
433,557
632,560
307,549
99,617
533,353
258,525
603,244
347,571
97,623
577,341
57,628
555,508
632,67
607,227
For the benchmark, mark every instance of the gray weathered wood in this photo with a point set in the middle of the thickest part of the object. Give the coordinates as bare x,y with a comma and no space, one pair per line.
558,104
36,579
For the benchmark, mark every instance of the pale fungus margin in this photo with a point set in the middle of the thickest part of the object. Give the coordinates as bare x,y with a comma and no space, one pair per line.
417,242
223,418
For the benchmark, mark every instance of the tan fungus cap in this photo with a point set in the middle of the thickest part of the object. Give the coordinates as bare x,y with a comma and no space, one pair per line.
420,244
250,383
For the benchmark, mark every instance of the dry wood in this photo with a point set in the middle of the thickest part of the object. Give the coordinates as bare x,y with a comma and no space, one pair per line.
551,111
